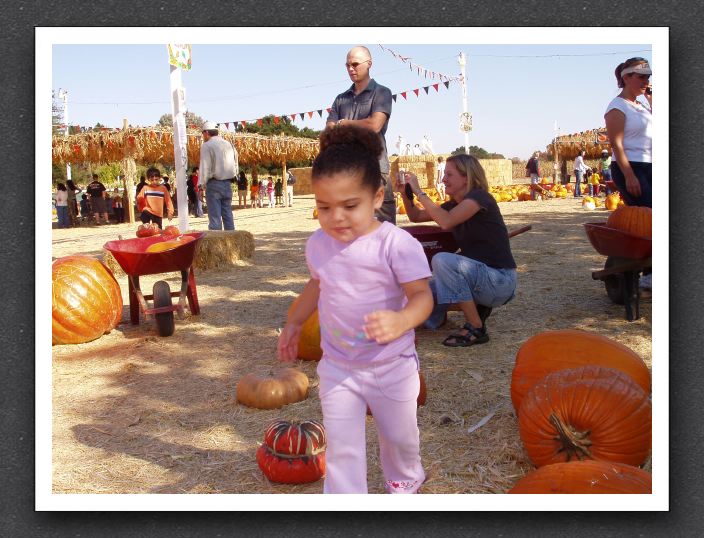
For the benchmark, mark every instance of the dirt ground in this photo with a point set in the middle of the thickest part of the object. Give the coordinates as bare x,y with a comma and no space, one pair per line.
137,413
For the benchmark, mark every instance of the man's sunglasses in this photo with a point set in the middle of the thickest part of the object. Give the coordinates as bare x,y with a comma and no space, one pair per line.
355,65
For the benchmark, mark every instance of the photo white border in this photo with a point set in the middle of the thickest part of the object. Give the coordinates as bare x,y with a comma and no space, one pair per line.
46,37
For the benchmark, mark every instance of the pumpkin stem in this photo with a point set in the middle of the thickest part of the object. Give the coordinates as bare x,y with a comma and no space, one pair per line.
574,443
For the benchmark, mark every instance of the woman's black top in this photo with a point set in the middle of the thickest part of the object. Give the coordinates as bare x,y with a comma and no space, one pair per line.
483,237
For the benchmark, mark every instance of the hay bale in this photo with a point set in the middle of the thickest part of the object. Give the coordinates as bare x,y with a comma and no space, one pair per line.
220,248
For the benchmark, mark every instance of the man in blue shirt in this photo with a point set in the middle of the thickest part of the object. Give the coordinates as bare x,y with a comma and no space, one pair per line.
367,104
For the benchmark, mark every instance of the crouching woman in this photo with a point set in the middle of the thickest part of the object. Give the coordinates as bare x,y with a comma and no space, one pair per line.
482,274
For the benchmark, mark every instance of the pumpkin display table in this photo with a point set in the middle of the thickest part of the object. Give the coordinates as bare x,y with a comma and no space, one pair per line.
627,256
142,256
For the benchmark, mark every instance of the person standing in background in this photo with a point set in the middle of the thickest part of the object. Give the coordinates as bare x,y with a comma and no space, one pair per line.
218,160
580,167
97,201
533,171
367,104
439,174
242,190
61,201
117,206
72,203
290,182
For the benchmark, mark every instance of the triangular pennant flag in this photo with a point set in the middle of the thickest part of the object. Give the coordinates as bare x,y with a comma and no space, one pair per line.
416,91
447,84
310,114
320,112
403,94
276,120
436,86
227,125
244,124
234,125
302,115
393,97
293,117
260,122
329,110
426,88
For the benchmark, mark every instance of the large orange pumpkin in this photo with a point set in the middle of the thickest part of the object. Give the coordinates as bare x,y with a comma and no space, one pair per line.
586,413
309,343
635,220
550,351
86,300
586,477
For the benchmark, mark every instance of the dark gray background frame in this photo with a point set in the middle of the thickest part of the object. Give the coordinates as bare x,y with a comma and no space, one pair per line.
17,516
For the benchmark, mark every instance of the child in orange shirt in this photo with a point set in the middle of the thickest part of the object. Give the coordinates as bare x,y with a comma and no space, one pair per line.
254,192
153,197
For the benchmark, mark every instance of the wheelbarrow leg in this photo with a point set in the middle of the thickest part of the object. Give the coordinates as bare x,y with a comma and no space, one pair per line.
134,299
631,295
192,293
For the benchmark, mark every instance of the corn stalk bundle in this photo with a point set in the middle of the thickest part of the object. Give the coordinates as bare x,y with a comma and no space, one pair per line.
568,146
149,145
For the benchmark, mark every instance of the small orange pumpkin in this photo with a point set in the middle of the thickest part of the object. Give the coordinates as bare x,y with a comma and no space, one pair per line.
612,201
636,220
309,342
588,476
274,391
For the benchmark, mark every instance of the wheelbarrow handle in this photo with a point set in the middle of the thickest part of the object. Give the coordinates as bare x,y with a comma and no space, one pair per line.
518,231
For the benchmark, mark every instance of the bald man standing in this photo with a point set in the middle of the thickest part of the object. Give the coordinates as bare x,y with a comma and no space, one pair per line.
367,104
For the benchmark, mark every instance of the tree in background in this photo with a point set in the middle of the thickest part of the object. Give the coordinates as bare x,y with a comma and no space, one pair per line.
192,120
479,153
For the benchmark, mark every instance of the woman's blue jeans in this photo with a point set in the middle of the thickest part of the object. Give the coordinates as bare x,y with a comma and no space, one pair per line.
578,187
62,216
457,279
218,196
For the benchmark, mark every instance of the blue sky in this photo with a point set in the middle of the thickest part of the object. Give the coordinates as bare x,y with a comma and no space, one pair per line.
516,92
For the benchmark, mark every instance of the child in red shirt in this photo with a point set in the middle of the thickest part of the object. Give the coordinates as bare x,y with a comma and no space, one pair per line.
153,197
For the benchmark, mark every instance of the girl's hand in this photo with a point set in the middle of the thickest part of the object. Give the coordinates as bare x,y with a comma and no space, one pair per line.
384,326
632,184
287,347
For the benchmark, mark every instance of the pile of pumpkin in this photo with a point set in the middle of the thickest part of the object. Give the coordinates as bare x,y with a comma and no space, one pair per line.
584,414
292,452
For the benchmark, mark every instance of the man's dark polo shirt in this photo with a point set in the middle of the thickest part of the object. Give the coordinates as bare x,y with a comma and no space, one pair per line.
374,98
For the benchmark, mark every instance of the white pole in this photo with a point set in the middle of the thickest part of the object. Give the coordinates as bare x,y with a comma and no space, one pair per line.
64,95
462,60
178,108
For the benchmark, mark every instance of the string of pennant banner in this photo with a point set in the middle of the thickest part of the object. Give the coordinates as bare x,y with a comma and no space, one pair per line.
299,116
419,69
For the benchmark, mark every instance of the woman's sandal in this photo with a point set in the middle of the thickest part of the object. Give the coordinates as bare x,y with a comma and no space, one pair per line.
473,336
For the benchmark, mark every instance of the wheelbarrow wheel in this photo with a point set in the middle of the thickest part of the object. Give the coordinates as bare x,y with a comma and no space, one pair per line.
614,283
162,297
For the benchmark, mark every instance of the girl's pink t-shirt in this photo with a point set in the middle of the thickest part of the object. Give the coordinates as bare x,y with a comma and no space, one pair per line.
361,277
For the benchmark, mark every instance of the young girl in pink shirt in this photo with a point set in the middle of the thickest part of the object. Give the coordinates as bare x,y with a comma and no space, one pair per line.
369,281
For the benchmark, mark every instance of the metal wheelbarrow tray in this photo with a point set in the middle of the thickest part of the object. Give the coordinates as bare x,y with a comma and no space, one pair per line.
132,257
627,255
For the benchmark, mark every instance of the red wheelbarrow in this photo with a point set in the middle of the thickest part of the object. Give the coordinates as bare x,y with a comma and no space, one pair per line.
627,256
135,261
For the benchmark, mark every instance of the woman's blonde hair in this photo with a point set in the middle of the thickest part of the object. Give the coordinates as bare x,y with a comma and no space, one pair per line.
470,167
